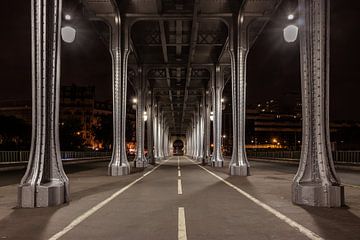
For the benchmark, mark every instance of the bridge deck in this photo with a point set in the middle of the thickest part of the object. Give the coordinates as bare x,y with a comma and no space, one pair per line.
152,208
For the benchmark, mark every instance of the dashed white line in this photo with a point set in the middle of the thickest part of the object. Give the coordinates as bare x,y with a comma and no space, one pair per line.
91,211
179,173
308,233
179,187
181,224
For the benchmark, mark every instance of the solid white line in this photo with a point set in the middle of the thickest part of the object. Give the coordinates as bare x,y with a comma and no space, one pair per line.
179,173
292,223
179,187
178,162
181,224
91,211
350,185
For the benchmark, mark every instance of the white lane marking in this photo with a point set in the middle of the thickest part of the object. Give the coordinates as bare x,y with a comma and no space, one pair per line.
310,234
350,185
179,187
179,173
91,211
181,224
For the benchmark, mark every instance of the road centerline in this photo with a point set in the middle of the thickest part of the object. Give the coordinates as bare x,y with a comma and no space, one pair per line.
179,187
181,224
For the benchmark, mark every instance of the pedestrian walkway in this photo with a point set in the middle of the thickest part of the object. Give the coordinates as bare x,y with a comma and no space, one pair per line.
179,199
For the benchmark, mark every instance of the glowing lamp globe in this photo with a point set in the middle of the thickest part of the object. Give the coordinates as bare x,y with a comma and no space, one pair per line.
68,34
291,33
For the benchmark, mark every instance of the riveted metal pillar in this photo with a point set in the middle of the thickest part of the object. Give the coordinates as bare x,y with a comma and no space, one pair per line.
150,127
316,183
218,86
156,129
196,137
140,88
119,164
239,164
166,142
45,183
200,131
161,136
206,112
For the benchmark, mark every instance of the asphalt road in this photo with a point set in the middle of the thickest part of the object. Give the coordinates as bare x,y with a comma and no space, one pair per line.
180,199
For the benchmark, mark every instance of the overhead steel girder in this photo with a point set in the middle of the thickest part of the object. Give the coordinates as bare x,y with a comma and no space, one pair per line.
194,34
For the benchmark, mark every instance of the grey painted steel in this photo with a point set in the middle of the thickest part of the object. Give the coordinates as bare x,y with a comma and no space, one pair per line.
239,49
155,132
45,183
140,89
150,128
316,183
207,127
119,164
201,131
218,86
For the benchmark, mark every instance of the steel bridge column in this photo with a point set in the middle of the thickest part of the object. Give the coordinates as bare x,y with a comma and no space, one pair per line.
150,128
161,136
218,86
239,164
194,138
155,133
200,131
119,164
140,160
206,119
316,183
45,183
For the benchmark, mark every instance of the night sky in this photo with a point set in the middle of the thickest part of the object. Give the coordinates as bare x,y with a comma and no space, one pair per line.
273,65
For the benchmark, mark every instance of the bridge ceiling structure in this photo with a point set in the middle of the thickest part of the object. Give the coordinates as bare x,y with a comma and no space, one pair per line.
178,42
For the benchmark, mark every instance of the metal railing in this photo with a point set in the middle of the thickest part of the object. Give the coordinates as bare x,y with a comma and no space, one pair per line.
23,156
348,157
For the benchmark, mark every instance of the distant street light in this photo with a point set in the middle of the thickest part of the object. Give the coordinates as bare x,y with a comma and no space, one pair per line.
145,116
291,33
211,116
291,17
134,100
68,17
68,34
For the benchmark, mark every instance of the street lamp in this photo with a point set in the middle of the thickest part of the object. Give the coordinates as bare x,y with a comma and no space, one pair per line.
211,116
68,17
290,33
68,34
145,116
291,17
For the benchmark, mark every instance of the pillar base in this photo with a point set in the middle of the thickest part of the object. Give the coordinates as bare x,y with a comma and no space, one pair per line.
241,170
119,170
140,163
151,160
217,163
316,195
45,195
